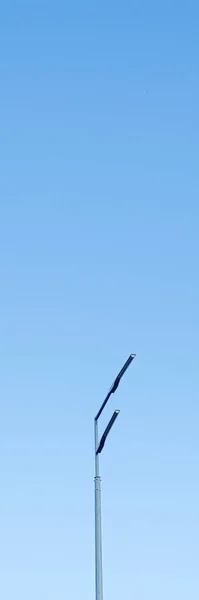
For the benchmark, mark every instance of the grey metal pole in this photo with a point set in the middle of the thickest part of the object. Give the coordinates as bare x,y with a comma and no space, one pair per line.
98,531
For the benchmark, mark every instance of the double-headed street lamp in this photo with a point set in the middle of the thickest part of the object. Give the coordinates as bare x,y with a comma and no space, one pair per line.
98,448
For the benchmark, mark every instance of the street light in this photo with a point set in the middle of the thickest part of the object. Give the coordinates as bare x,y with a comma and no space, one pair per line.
98,448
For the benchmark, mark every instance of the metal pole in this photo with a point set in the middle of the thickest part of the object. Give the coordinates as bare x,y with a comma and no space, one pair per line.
98,532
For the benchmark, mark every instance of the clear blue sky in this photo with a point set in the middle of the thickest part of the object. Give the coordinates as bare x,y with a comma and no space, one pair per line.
99,256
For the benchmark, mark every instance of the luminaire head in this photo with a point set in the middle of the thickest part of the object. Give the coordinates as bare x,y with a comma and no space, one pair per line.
106,432
115,384
121,373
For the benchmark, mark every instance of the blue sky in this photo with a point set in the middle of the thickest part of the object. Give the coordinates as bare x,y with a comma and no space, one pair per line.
99,257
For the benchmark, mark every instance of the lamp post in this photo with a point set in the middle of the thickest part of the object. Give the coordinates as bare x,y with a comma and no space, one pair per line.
98,448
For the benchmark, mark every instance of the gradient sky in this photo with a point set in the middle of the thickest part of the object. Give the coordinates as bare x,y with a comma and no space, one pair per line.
99,255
